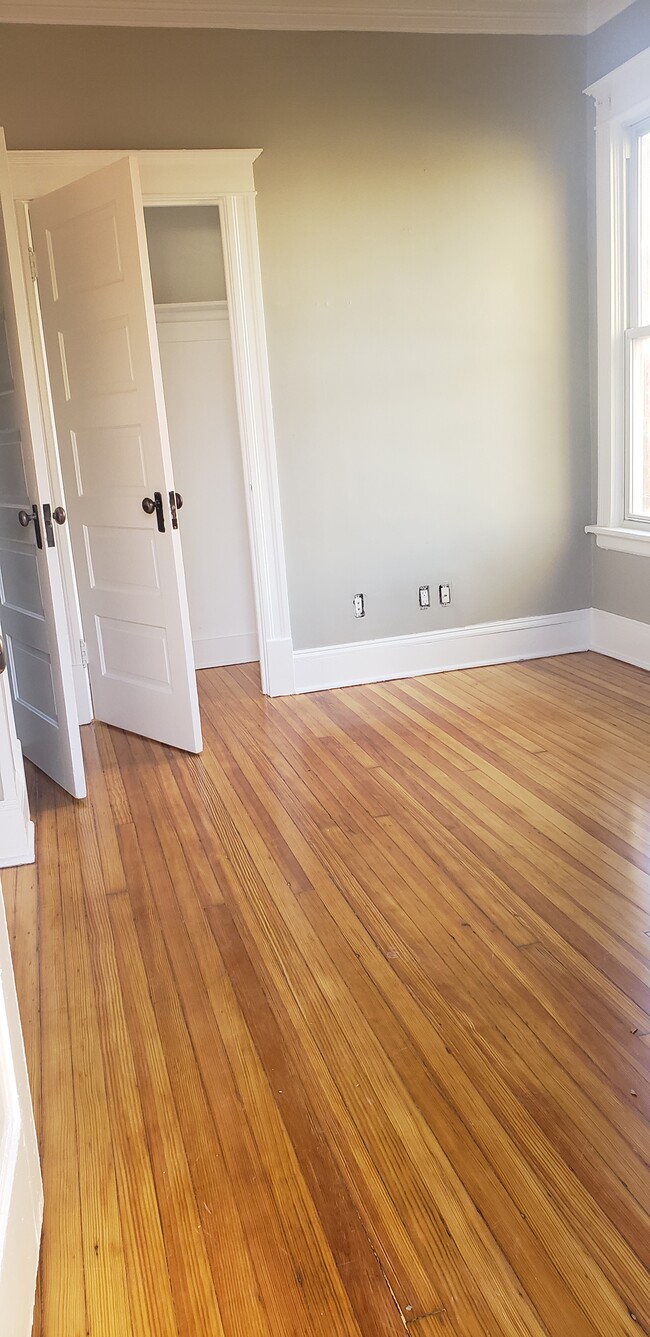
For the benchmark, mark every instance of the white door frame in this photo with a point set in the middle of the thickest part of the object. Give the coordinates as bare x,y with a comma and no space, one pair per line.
16,827
223,177
21,1186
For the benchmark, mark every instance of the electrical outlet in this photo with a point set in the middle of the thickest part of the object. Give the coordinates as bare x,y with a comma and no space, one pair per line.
359,605
424,596
444,594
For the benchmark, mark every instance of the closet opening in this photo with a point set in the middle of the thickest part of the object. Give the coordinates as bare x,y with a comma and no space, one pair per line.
189,289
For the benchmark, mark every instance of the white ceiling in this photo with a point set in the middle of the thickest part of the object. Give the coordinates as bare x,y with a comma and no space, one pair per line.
419,16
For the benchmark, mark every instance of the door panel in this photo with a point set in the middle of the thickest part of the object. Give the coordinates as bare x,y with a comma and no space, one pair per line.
32,610
99,328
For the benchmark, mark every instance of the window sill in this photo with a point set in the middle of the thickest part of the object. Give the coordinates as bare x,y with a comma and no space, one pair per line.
635,541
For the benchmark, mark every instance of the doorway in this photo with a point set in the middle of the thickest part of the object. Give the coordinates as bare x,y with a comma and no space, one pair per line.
198,190
192,321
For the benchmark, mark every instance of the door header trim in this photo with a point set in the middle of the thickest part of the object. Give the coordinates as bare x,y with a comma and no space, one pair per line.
187,176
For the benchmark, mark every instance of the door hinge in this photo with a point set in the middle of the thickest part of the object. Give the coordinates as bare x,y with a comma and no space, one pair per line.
33,264
84,653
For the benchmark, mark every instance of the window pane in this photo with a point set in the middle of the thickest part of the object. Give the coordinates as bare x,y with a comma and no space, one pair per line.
639,461
644,229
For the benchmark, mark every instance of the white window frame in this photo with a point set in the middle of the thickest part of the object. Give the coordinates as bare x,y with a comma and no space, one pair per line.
622,100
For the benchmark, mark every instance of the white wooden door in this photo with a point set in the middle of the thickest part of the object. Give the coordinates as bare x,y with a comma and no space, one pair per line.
32,607
21,1190
100,338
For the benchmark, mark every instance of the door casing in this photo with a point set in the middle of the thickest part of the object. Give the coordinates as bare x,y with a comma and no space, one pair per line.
223,177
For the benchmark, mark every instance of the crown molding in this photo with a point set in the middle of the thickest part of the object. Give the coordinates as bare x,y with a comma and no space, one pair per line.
540,17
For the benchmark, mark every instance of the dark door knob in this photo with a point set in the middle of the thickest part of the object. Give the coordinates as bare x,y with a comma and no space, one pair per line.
59,515
3,656
155,503
175,503
25,518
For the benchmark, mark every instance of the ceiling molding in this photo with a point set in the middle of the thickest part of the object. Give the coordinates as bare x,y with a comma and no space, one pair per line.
435,16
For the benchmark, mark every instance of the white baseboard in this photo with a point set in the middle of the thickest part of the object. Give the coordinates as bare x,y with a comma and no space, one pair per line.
620,638
217,651
439,651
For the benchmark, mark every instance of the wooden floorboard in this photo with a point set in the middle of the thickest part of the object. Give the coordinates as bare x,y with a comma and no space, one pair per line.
342,1028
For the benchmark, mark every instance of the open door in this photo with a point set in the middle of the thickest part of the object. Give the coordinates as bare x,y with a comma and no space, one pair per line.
21,1190
32,608
102,352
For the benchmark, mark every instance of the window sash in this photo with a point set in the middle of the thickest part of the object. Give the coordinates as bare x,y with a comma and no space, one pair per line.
637,425
622,105
637,309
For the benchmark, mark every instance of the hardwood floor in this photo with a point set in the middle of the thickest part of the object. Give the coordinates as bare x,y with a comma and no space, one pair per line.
342,1027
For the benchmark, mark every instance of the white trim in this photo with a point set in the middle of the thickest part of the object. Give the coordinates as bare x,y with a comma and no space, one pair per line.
622,99
223,177
620,539
16,828
9,1101
623,92
16,833
167,176
172,313
217,651
21,1209
524,16
253,388
440,651
621,638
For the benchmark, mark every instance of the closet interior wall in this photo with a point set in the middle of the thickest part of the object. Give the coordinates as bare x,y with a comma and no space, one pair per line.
189,287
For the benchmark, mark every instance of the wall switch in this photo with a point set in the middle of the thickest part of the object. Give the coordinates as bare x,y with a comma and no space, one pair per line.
359,605
424,595
444,594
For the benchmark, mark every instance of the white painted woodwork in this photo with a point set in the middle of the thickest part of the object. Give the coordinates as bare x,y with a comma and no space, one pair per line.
479,16
622,99
16,828
167,176
196,359
100,338
390,657
21,1190
620,638
223,177
32,608
55,476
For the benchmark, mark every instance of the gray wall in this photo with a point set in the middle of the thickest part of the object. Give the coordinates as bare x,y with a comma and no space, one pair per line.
185,253
621,583
422,208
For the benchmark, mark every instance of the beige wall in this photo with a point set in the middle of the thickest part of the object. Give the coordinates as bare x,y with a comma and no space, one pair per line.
422,211
621,583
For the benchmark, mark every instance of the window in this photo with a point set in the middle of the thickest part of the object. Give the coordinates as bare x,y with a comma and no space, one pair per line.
623,275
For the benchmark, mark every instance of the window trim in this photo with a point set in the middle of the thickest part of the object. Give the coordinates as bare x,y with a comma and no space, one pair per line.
622,101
